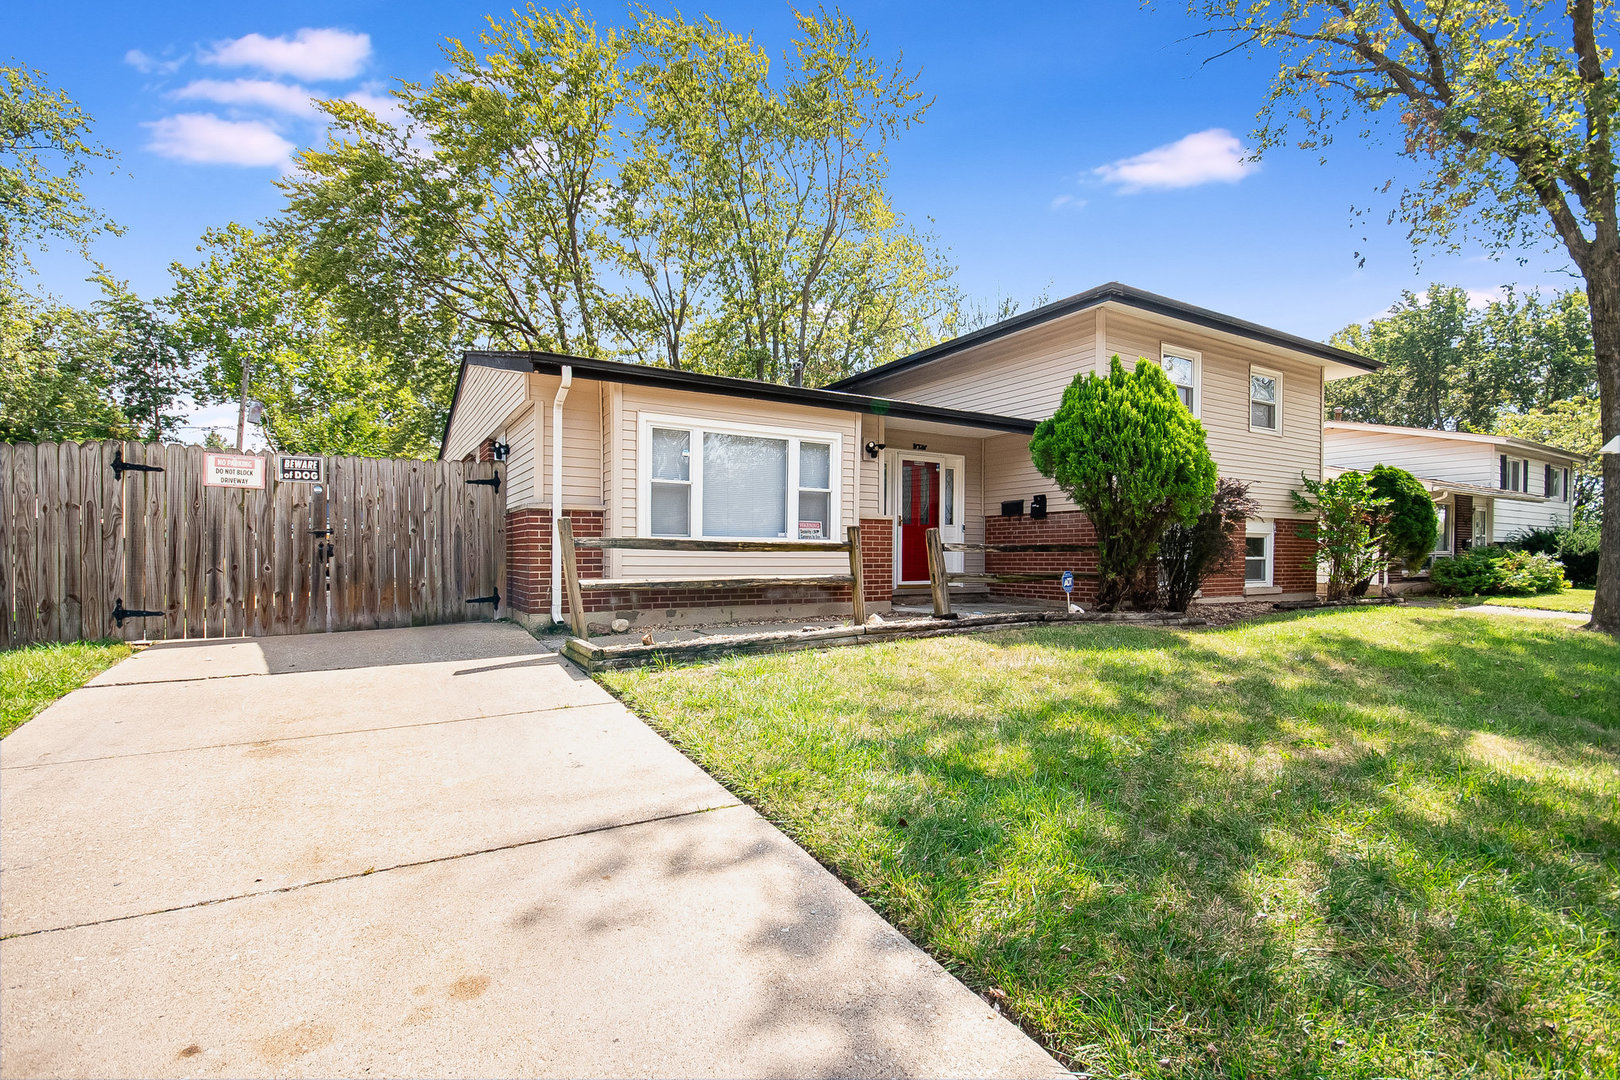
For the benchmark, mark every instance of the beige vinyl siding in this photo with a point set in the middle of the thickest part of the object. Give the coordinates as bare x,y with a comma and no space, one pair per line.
520,434
1271,462
869,469
638,401
582,441
1023,374
971,450
488,397
1010,474
1457,460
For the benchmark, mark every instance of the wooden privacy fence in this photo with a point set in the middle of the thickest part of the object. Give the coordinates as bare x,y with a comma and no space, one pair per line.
940,580
127,540
568,545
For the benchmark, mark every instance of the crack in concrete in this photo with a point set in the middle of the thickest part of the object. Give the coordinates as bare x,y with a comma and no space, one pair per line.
312,735
373,871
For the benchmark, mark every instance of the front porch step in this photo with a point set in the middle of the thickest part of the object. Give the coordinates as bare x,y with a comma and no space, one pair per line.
922,594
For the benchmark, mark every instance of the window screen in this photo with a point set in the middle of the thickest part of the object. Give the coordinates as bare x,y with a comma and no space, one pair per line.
744,485
1255,564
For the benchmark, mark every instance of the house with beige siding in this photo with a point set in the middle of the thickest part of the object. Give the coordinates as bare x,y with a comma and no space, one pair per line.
1486,487
939,438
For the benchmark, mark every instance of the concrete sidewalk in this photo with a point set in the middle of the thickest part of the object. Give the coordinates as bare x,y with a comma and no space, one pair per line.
427,852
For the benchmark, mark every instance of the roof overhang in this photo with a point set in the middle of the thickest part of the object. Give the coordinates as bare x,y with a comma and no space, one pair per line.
548,363
1511,442
1337,363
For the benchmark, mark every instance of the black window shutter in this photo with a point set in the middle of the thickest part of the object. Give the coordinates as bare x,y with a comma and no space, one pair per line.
1546,480
1503,485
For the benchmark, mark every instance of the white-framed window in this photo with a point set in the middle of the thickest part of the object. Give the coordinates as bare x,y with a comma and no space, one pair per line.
1182,367
1258,542
1443,510
1515,474
1265,400
727,481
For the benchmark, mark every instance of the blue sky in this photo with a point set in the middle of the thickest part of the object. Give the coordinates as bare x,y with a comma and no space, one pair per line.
1068,144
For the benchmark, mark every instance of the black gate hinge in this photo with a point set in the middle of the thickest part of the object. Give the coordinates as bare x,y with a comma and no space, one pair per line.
120,466
491,482
120,613
495,599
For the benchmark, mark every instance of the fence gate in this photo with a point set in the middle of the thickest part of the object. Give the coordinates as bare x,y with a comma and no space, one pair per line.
128,540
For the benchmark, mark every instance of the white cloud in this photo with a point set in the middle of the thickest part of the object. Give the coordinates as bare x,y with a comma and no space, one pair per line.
308,54
1200,158
283,97
206,139
1067,202
147,64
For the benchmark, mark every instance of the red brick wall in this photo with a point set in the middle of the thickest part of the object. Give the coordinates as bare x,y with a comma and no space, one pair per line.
1225,580
528,567
1293,569
1061,527
1462,511
877,559
486,450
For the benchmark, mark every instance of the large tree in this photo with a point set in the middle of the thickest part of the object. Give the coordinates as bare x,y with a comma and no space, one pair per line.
45,148
655,191
1452,365
1508,111
259,333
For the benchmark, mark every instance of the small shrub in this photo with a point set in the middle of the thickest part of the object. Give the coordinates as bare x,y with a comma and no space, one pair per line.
1413,527
1188,553
1490,571
1576,547
1347,532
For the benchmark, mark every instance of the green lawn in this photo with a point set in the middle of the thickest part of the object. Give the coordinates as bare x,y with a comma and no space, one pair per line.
1568,600
1359,843
32,678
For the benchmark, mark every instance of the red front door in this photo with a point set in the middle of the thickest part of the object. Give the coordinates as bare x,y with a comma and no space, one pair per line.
919,512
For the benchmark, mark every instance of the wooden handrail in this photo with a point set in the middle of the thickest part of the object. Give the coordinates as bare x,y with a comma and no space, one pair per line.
733,581
998,548
662,543
568,545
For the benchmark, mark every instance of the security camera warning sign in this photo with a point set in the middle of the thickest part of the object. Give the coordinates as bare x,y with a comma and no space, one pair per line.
233,470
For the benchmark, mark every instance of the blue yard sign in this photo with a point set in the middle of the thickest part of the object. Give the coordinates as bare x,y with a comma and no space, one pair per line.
1068,581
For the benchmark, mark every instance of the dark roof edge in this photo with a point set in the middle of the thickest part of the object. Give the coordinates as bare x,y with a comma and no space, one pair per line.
1130,297
646,375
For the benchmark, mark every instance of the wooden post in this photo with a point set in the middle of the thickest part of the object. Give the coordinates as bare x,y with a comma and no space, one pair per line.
858,585
936,575
570,568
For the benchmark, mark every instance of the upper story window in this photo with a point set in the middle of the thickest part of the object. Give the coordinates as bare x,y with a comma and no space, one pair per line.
1265,400
1555,483
1515,474
733,483
1181,366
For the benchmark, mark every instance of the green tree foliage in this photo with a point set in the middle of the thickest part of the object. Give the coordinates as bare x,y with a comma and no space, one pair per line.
1190,553
243,307
1572,425
1508,111
1413,528
150,367
52,389
1128,453
1458,368
45,149
1348,530
654,192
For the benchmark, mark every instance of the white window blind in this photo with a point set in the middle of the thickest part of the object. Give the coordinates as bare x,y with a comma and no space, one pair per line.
744,485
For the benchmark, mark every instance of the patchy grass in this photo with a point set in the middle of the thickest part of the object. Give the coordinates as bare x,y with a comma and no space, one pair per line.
32,678
1568,600
1359,843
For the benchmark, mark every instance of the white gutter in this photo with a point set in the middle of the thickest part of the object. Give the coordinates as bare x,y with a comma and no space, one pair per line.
557,491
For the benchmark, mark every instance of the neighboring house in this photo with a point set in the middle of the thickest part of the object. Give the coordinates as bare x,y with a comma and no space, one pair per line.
1486,487
938,438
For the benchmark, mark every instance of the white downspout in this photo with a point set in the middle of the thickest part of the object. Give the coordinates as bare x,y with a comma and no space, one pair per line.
557,491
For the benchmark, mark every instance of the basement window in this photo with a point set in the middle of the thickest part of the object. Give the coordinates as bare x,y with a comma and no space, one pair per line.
1257,553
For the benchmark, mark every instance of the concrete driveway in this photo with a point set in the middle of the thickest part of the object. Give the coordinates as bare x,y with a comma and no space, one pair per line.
430,852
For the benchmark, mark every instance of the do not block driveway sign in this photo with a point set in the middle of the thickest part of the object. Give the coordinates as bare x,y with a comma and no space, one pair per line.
233,470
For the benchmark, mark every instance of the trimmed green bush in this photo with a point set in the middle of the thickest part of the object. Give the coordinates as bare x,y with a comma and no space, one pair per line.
1413,527
1129,454
1491,571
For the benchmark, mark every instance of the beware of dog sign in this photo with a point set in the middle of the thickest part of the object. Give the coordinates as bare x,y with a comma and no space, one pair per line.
299,468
